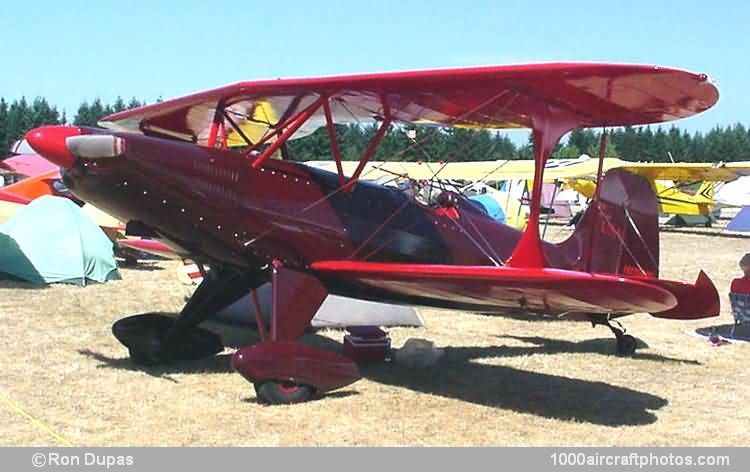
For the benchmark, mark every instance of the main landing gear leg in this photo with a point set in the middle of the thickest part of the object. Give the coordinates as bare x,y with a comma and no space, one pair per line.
626,344
154,339
282,369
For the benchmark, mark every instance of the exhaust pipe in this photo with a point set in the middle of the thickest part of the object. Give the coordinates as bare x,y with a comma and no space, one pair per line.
96,146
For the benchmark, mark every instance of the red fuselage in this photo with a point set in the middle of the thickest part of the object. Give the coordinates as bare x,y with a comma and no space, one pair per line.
220,210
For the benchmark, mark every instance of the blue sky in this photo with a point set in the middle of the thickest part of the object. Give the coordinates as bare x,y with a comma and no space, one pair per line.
73,50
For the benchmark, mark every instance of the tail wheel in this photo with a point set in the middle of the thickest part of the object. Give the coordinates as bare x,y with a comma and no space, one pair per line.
283,393
626,345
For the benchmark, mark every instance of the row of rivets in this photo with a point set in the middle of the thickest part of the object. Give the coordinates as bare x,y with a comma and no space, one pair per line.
236,235
284,175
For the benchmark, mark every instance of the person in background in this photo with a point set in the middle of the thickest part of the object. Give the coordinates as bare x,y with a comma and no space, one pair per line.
742,284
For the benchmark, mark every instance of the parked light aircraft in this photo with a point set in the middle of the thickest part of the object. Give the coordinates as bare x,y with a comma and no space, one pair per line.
169,168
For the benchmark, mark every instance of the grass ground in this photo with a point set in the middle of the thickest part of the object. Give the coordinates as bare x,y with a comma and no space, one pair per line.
502,381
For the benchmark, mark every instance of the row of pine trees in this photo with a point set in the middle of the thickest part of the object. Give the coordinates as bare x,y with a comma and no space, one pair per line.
643,143
19,116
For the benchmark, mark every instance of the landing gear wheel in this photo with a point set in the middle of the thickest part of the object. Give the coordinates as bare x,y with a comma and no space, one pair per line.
282,393
144,337
141,358
626,345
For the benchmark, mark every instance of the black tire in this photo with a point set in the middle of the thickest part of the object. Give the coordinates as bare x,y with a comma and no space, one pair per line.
626,345
141,358
282,393
143,336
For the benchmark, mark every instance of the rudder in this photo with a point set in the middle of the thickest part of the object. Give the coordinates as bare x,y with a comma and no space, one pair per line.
619,231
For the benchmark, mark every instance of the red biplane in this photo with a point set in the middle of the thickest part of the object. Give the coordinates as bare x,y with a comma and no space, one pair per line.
173,172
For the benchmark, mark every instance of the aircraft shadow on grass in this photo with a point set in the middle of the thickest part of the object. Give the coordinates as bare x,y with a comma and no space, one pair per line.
459,376
604,346
218,364
232,336
328,396
552,396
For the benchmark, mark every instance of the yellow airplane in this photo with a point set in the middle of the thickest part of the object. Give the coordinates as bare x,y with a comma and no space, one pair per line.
672,198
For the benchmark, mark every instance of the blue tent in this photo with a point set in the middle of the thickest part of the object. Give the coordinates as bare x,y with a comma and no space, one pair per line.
489,204
741,221
51,240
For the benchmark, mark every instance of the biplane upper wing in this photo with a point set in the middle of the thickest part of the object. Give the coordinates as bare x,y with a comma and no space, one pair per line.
488,97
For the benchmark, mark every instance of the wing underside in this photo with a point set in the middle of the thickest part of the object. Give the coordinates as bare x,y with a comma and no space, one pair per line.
484,97
547,291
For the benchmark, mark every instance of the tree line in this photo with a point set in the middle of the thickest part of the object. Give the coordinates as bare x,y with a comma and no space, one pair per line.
19,116
431,143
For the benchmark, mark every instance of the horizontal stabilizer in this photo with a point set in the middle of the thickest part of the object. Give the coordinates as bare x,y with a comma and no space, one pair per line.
694,301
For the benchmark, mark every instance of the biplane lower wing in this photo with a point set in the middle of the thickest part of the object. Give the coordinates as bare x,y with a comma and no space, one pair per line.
546,291
549,291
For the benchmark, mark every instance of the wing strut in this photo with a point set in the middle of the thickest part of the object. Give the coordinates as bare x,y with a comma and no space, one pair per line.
371,148
293,127
217,126
237,128
334,142
595,201
548,126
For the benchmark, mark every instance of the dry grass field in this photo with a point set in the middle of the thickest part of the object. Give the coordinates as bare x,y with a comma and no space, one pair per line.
501,381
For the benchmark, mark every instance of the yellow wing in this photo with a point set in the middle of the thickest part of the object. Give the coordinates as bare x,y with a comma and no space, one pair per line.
671,198
263,116
556,170
689,171
488,171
